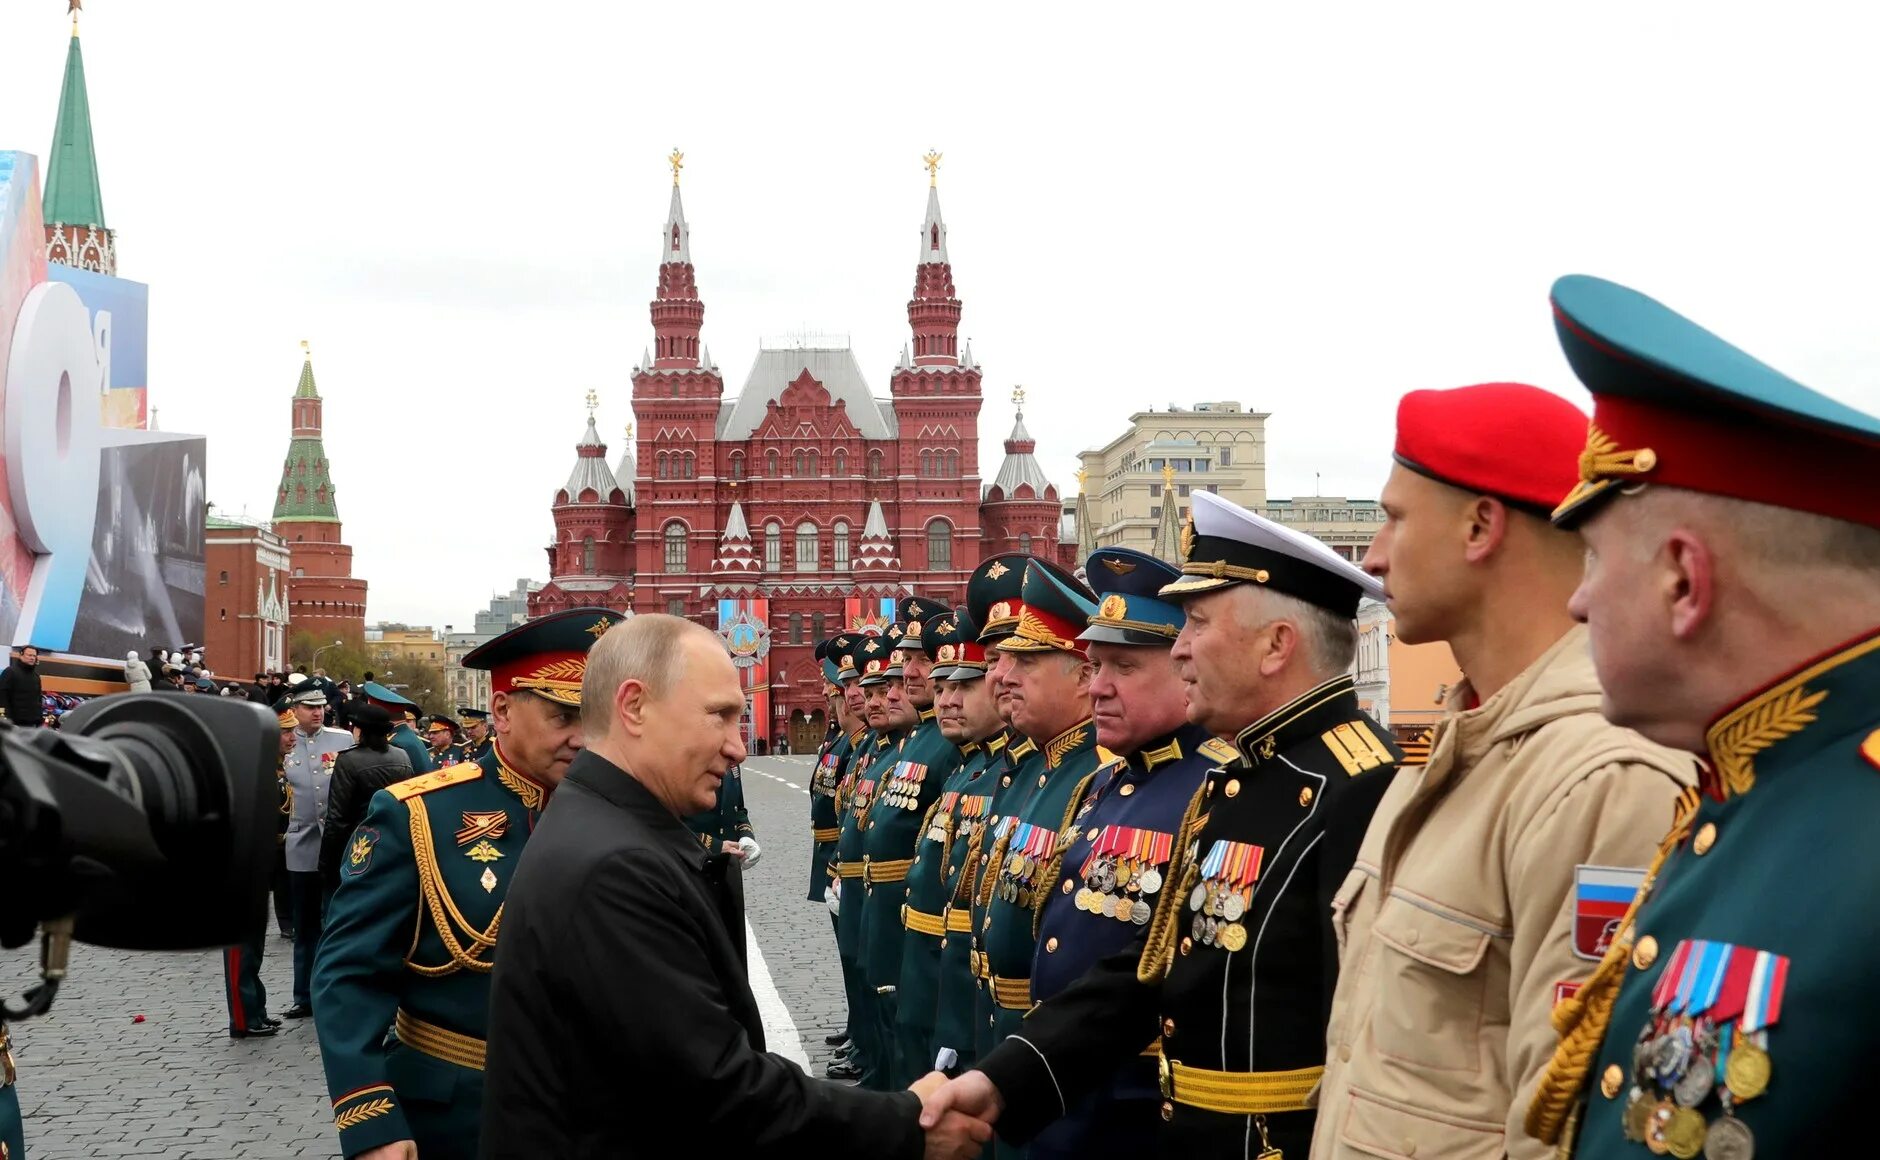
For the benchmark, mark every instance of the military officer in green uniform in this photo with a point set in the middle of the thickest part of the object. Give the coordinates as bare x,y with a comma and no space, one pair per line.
992,600
1732,598
825,822
903,792
868,656
726,827
1046,669
241,963
1237,963
969,718
476,732
856,743
971,711
445,740
404,713
401,983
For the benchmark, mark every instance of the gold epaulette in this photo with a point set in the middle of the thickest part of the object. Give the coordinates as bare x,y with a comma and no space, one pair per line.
437,779
1357,747
1217,751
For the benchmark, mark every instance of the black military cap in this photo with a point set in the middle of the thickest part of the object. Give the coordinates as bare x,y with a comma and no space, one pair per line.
914,611
841,650
1055,607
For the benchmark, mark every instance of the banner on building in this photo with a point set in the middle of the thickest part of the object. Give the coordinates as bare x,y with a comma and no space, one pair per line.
869,614
744,625
101,523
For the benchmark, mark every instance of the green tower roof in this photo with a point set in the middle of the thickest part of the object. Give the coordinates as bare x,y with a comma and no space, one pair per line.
72,194
305,493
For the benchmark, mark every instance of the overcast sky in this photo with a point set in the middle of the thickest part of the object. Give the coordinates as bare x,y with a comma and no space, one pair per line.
1307,208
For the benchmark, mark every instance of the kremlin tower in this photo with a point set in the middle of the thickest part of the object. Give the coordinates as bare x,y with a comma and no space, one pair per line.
803,504
590,561
73,203
323,597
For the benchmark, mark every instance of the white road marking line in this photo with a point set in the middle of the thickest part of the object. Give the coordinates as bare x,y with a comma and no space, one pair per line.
780,1034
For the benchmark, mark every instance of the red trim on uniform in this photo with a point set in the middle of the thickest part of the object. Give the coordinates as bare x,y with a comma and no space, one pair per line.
232,973
1725,452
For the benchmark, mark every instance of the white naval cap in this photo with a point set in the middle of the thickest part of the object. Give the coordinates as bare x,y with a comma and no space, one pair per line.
1225,544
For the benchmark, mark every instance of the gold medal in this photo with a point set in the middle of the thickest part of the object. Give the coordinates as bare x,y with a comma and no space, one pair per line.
1655,1123
1748,1070
1084,898
1638,1111
1684,1134
1233,936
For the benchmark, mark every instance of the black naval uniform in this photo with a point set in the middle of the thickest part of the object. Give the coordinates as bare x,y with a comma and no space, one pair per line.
1236,993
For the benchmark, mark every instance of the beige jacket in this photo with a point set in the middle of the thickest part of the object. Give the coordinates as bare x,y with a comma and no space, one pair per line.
1456,926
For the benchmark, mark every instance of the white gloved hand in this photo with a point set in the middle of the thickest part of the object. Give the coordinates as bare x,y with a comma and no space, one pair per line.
832,895
752,852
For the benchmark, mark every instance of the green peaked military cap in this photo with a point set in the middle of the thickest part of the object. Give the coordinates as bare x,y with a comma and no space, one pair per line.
1055,607
841,652
1674,404
546,656
875,656
992,595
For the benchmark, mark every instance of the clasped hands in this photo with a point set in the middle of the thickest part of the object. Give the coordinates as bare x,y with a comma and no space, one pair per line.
957,1114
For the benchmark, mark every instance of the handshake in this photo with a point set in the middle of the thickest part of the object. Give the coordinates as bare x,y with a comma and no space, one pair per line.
957,1114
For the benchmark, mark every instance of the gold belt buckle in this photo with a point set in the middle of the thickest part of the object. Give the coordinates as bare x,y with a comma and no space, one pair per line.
1165,1076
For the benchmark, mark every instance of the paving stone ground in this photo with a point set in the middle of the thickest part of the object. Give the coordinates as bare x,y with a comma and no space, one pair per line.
95,1083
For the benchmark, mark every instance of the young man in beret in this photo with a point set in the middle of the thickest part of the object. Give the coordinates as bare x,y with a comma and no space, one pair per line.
1490,877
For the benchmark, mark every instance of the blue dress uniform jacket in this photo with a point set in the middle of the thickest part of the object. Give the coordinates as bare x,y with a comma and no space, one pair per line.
1101,901
622,1022
955,1019
476,750
1238,991
725,822
923,914
825,816
308,768
401,984
1767,873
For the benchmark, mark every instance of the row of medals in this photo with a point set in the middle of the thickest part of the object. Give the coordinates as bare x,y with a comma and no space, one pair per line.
1218,908
903,792
1119,888
1015,884
1674,1070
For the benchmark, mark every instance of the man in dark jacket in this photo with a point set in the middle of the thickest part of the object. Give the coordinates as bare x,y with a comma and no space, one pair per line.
20,692
621,1020
368,767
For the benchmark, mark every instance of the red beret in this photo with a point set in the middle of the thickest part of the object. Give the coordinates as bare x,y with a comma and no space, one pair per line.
1509,440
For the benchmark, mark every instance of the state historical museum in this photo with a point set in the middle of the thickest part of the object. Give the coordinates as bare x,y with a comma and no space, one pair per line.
803,504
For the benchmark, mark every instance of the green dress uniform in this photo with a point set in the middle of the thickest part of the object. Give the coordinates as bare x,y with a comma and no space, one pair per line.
871,1055
477,750
727,820
448,756
12,1126
923,914
955,1021
1234,974
401,984
1024,762
825,816
403,711
1733,1014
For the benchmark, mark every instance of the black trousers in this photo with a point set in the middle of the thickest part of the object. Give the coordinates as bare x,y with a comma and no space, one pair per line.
308,894
283,896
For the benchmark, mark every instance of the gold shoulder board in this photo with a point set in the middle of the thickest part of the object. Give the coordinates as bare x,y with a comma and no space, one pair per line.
426,782
1218,751
1357,748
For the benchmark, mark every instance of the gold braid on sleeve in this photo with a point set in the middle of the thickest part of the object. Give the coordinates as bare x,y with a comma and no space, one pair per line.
967,885
444,912
1581,1020
1056,865
1158,951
